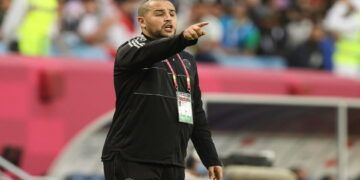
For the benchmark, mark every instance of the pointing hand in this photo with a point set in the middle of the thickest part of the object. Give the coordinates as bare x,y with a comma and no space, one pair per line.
195,31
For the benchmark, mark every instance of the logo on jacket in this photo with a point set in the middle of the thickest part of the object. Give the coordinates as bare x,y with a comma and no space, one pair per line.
187,63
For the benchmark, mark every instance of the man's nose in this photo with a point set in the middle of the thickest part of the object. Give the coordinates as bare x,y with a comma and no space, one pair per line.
168,17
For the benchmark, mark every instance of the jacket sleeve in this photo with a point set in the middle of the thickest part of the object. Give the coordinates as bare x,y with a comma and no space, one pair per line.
201,135
137,54
338,13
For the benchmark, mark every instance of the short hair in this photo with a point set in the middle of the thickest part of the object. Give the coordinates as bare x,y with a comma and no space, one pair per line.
144,6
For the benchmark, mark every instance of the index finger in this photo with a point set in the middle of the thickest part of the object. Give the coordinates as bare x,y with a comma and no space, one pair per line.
202,24
219,176
211,173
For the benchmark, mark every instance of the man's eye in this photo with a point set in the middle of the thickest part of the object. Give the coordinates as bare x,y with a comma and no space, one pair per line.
159,14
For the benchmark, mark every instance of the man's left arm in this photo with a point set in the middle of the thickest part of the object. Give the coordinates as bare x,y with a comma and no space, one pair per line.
201,135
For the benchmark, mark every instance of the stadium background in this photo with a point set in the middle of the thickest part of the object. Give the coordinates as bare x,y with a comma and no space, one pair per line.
280,99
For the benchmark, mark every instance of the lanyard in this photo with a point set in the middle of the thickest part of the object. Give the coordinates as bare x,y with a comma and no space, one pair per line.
174,74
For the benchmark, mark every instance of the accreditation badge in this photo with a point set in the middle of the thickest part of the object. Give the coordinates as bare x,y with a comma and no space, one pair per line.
185,107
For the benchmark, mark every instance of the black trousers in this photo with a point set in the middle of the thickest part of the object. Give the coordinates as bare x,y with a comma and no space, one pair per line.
121,169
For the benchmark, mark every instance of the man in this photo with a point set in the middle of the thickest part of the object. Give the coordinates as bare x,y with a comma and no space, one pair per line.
343,20
158,105
28,25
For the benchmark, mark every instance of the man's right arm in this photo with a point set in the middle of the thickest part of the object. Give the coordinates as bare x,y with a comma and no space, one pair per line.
138,54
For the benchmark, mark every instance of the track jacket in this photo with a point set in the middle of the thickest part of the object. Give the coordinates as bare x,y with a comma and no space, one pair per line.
145,126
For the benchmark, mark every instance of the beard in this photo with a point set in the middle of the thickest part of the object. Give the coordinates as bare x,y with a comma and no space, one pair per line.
161,33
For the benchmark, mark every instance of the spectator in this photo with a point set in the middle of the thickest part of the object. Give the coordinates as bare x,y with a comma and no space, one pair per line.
314,53
8,27
126,22
66,40
19,32
4,6
203,12
255,9
71,13
28,26
100,28
241,36
273,34
299,27
347,53
95,25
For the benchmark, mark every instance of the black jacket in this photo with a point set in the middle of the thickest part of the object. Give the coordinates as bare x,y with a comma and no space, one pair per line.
145,125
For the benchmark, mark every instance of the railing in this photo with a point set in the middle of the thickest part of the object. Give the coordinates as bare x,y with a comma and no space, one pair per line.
19,172
341,104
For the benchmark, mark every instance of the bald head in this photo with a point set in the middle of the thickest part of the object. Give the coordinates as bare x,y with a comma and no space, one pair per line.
145,6
157,18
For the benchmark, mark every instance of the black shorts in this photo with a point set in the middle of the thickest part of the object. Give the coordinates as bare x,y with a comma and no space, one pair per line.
120,169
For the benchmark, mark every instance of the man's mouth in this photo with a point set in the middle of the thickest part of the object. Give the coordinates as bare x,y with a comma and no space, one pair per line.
168,28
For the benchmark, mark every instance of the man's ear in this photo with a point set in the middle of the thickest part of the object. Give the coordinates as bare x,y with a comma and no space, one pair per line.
141,21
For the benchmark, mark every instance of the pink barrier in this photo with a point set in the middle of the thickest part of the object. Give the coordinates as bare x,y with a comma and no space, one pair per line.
276,82
44,102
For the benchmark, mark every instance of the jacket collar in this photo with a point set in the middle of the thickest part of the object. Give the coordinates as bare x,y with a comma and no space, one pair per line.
147,37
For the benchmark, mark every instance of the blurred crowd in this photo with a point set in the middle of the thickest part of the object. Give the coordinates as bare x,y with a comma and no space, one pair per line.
316,34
